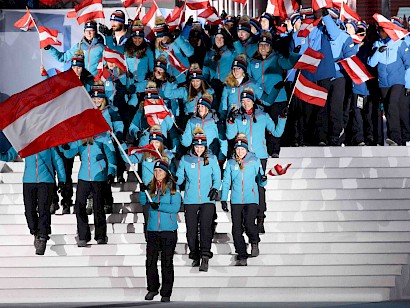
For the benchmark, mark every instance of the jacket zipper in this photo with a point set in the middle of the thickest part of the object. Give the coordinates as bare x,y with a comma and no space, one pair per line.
159,214
89,163
38,180
199,180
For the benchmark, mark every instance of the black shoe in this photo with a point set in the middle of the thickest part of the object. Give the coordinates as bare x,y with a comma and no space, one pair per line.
41,246
120,179
254,250
165,299
102,241
36,241
322,144
275,155
150,295
195,263
260,226
82,243
241,262
204,264
66,209
53,208
108,209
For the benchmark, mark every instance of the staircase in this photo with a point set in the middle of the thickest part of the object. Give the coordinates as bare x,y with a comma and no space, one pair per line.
338,230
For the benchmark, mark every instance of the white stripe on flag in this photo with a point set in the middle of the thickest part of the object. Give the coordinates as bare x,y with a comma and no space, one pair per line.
111,55
150,109
44,35
357,69
309,60
70,103
90,9
310,91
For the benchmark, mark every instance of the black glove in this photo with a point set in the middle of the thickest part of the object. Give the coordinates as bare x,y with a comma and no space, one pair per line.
143,187
279,85
297,49
131,89
174,34
130,75
284,112
61,186
264,178
47,47
232,115
120,136
65,146
407,92
382,48
171,79
213,194
104,30
154,205
180,131
190,21
224,206
110,179
325,11
138,135
130,21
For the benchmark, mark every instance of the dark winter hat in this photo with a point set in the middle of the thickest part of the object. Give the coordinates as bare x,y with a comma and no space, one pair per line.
162,164
334,13
229,18
137,31
156,135
195,74
268,17
295,17
256,24
77,60
240,62
118,15
161,63
223,32
199,139
151,93
353,24
97,91
266,38
206,101
91,24
248,94
241,142
245,26
160,30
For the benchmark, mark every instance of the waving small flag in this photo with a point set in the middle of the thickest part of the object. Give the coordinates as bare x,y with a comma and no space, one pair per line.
197,4
155,112
318,4
174,61
149,148
307,26
176,17
356,69
89,10
113,56
393,31
309,61
48,37
25,23
279,170
211,16
346,13
310,92
102,73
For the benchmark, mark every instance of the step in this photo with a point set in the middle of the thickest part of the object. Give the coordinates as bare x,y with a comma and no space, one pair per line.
202,295
357,226
219,248
271,216
214,282
32,260
374,151
214,271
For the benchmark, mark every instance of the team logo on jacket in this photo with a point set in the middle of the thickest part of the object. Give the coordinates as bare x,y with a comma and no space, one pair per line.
193,165
236,166
256,65
244,121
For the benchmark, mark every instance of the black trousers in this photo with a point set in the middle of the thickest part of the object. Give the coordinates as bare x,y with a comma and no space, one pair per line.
361,119
396,107
67,192
96,189
38,195
243,220
202,214
262,193
272,142
164,241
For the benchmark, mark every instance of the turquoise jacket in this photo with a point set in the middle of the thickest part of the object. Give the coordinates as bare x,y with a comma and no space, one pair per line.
218,69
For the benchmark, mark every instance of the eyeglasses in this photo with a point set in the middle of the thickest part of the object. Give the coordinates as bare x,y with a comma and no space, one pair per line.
264,45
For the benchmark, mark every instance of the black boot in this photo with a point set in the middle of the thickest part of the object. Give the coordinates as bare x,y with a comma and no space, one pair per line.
254,250
204,264
66,209
108,209
41,246
261,227
53,208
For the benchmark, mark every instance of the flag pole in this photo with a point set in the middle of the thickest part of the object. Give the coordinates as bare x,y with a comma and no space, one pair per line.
294,87
180,16
35,25
131,164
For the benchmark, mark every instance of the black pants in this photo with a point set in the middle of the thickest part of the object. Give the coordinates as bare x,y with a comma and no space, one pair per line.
164,241
295,123
396,109
243,220
201,214
84,188
361,119
67,192
262,193
272,142
38,195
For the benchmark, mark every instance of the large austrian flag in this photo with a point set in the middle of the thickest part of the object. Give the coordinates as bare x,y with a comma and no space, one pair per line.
309,61
356,69
48,37
55,111
89,10
310,92
197,4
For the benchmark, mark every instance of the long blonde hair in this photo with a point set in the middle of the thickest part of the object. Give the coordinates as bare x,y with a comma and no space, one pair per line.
230,79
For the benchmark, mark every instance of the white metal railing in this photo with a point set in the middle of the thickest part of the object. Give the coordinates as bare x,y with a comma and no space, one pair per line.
235,9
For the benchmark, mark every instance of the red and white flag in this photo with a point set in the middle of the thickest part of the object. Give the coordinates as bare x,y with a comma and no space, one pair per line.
318,4
310,92
116,57
346,13
240,1
102,73
310,60
279,170
211,16
128,3
197,4
393,31
149,20
55,111
89,10
71,14
138,12
155,113
176,17
356,38
307,26
355,69
48,37
282,8
338,3
25,23
174,61
149,148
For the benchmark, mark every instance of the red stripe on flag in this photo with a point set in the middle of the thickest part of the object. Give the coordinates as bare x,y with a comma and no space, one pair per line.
356,69
197,4
89,10
307,26
25,23
21,103
310,92
310,60
318,4
69,131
